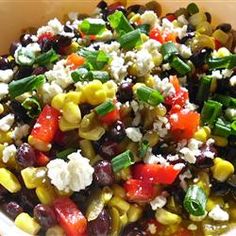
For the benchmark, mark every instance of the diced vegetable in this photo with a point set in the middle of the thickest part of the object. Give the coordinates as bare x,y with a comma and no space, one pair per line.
32,106
92,26
143,148
227,62
180,66
122,161
47,58
222,128
192,8
168,49
155,173
63,154
69,217
75,60
28,84
25,57
131,39
162,37
195,201
105,108
110,117
167,218
204,89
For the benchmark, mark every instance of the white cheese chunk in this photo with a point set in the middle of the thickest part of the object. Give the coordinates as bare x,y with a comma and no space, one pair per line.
21,131
6,75
134,134
158,202
230,113
118,69
3,90
218,214
55,25
8,152
144,62
6,122
150,18
232,81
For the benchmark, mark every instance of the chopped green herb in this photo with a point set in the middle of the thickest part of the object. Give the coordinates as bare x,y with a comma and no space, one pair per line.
131,39
47,58
105,108
32,106
122,161
92,26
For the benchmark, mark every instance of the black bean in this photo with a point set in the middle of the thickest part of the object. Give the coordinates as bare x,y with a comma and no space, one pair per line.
23,71
125,92
13,209
102,5
190,28
85,109
223,86
232,182
232,140
68,29
219,188
154,6
39,70
3,193
25,155
224,27
101,226
133,229
63,41
13,47
46,45
103,173
45,215
19,111
117,131
208,16
25,39
199,57
108,149
4,64
189,35
136,9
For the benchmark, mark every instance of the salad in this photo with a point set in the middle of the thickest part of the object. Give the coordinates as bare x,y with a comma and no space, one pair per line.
120,123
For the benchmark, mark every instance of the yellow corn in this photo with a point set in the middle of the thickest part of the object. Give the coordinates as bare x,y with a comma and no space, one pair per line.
118,190
87,149
160,110
30,178
74,97
111,88
167,218
66,126
125,173
202,134
221,36
46,194
55,231
72,48
71,113
6,137
39,144
58,101
220,141
144,37
213,201
1,108
157,59
26,223
9,181
149,81
204,182
222,169
116,223
152,138
119,203
124,219
223,52
134,213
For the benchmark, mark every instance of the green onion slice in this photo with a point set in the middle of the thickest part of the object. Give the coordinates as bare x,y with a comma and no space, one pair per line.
180,66
149,95
122,161
222,128
233,128
225,100
192,8
204,89
168,49
32,106
105,108
228,62
131,39
143,148
120,23
47,58
63,154
144,28
25,57
92,26
79,74
210,112
18,87
195,201
103,76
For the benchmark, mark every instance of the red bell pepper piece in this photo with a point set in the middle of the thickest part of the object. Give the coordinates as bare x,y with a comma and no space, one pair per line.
110,117
155,173
162,36
139,191
69,217
46,125
170,17
47,35
41,159
218,44
184,124
75,61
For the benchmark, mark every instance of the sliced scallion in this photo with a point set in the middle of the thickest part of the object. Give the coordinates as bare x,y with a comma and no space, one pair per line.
28,84
63,154
180,66
92,26
167,50
32,106
79,74
47,58
144,28
192,8
103,76
143,148
222,128
25,57
195,201
204,89
131,39
225,100
105,108
210,112
119,22
149,95
227,62
122,161
233,128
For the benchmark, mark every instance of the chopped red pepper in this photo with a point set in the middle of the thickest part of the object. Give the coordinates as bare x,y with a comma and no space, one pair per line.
41,159
69,217
162,36
47,35
155,173
110,117
46,125
75,61
218,44
184,124
170,17
139,191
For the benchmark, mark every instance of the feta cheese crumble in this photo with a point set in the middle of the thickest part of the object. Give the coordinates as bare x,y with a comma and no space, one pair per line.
144,62
158,202
3,90
134,134
6,75
8,152
150,18
75,175
218,214
6,122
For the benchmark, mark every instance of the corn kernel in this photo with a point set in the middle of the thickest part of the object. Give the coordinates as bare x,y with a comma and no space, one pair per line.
118,190
66,126
222,169
71,113
58,101
220,141
46,194
87,149
213,201
111,88
26,223
221,36
6,137
149,81
144,37
167,218
119,203
125,173
1,108
74,97
124,219
157,59
9,181
55,231
202,134
134,213
152,138
30,178
39,144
